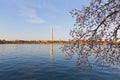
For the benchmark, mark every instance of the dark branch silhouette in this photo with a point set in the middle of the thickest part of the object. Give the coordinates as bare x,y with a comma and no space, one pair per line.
97,33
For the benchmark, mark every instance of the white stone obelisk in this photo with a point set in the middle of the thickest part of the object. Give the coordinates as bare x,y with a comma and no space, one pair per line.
52,34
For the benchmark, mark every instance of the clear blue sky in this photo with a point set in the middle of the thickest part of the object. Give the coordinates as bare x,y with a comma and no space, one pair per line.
33,19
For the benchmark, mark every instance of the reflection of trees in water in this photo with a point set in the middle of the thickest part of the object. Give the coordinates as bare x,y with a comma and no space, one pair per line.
99,54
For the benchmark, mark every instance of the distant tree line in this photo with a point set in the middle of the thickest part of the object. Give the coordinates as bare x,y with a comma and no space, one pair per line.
31,41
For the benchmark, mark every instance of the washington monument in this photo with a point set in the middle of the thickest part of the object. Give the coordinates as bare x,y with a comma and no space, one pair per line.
52,34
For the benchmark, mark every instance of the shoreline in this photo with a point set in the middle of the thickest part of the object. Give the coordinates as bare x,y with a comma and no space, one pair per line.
32,42
54,42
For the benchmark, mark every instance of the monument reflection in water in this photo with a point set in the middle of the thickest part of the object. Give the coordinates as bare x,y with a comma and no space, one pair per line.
51,47
51,52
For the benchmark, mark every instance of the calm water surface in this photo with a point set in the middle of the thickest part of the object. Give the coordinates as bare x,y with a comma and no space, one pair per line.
45,62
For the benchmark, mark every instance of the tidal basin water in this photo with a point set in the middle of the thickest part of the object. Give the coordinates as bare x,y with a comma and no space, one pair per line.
46,62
